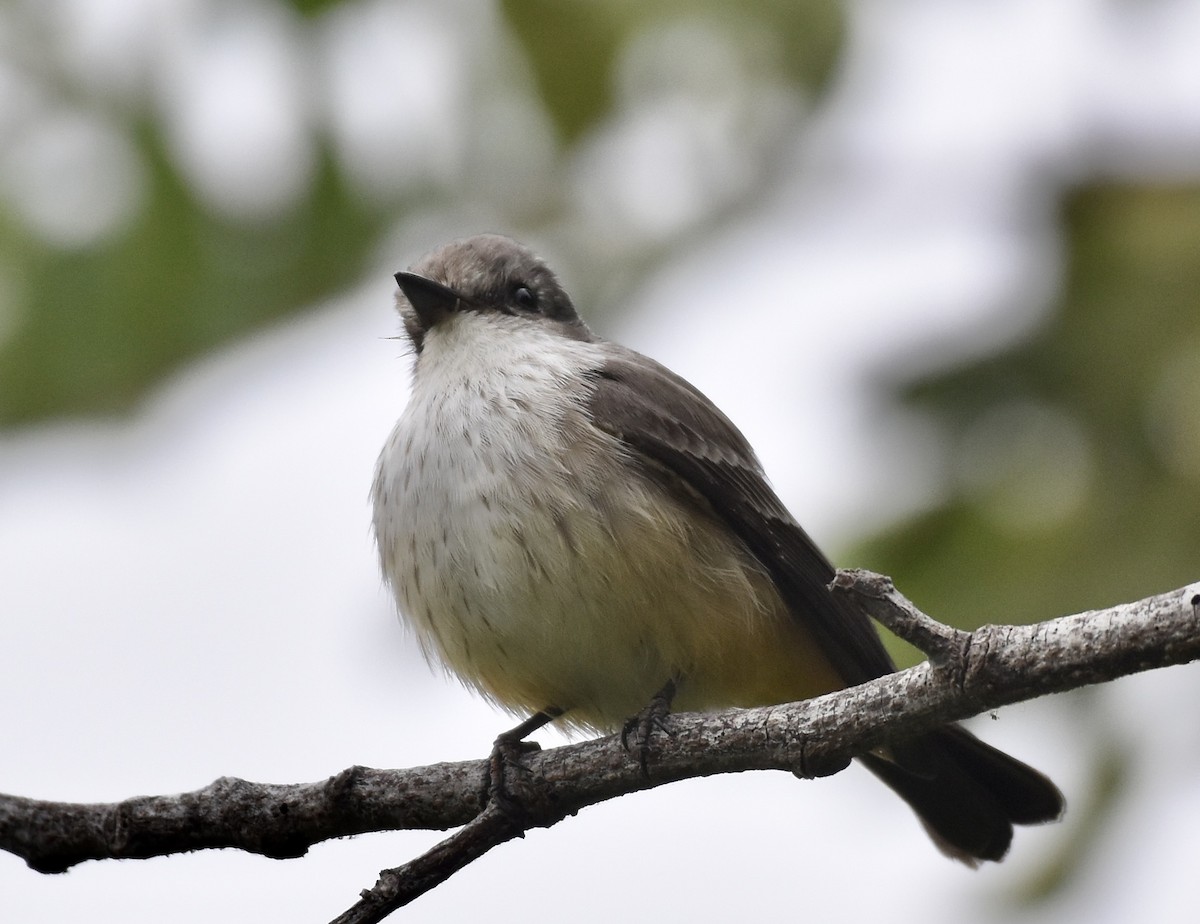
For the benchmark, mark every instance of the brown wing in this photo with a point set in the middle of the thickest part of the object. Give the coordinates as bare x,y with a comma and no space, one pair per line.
667,421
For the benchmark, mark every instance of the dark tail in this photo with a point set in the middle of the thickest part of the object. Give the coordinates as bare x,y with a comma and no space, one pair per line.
966,793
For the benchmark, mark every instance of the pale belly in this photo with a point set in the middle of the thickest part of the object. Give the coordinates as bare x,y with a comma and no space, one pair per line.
544,586
545,580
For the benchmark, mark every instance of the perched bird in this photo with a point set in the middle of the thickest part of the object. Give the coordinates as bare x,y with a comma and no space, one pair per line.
572,529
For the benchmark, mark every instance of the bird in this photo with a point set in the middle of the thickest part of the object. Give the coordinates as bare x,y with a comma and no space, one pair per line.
579,534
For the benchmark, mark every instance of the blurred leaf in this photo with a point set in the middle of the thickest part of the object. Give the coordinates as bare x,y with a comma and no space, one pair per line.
313,7
573,45
812,32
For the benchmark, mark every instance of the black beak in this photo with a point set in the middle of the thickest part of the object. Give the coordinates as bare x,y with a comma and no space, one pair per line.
431,300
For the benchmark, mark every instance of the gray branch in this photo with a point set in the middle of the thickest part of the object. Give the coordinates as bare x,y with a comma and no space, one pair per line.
968,673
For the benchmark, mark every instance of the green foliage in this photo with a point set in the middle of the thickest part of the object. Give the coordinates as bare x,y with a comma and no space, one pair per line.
101,324
1075,455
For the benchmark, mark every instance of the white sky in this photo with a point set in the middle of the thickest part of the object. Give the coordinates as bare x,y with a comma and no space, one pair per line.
194,593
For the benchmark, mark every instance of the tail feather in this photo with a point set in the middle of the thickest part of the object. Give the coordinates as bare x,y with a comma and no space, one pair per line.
967,794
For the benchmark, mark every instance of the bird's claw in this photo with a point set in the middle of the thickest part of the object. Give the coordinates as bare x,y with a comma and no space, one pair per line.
639,729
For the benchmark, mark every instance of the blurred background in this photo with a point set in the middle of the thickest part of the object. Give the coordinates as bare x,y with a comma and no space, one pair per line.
940,260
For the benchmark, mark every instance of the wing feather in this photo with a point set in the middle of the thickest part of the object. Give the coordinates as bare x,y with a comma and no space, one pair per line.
666,422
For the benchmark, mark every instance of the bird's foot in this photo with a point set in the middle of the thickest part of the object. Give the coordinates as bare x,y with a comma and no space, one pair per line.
639,730
507,752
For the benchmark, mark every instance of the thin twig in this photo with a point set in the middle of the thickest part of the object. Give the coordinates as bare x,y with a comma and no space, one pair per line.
399,886
878,596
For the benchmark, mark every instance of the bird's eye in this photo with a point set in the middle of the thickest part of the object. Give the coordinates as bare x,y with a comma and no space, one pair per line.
524,298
